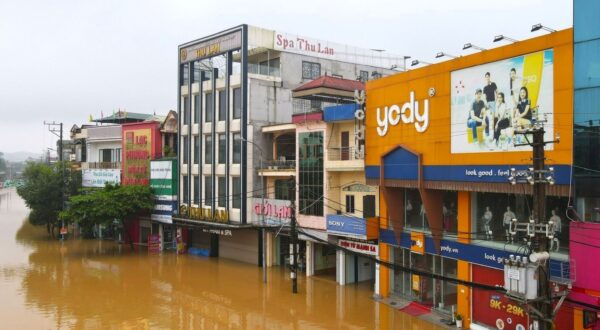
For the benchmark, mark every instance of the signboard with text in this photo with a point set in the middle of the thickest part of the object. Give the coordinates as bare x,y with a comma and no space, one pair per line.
98,178
274,212
163,182
360,247
137,146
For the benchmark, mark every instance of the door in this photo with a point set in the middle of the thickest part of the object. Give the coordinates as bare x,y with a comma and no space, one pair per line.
368,206
345,147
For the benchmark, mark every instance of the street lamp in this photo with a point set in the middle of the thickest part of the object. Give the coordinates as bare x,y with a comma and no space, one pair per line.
470,45
417,62
503,37
262,212
442,54
539,26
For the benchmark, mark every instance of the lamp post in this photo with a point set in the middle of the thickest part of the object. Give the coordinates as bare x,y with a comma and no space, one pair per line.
262,188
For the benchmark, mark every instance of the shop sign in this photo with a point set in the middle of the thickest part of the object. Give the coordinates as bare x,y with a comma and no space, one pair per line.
293,43
348,226
360,247
408,112
417,242
163,182
154,244
222,232
211,47
203,213
98,178
274,212
136,156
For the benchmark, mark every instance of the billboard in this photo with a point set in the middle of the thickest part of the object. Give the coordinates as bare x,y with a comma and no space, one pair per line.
163,182
274,212
489,102
98,178
137,152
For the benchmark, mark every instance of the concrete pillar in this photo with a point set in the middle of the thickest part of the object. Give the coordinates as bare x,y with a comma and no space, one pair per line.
310,264
340,265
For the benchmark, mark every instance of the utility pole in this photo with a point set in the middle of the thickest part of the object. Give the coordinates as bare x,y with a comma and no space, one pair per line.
294,240
538,231
59,133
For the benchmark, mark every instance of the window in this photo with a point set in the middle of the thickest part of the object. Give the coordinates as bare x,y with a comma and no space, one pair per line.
364,75
311,70
311,173
186,190
105,155
196,149
222,192
237,103
237,148
196,189
368,206
208,108
414,209
208,149
196,72
222,148
349,203
117,157
236,187
196,108
270,68
222,105
208,195
283,189
186,110
186,147
184,75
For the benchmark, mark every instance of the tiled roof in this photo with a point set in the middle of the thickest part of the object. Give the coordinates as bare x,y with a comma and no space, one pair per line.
333,83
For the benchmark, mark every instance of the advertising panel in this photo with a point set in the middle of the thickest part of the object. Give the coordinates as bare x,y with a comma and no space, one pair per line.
490,102
348,226
276,212
137,152
98,178
163,176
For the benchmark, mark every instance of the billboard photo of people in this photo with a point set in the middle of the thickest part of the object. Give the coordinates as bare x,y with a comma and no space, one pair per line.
490,102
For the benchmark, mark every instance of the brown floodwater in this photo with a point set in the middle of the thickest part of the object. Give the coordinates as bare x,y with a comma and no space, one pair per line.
91,284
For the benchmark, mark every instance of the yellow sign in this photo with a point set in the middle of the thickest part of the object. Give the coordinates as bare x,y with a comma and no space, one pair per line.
417,242
416,282
203,213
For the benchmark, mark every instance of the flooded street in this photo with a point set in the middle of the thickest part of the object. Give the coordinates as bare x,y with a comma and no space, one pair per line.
99,284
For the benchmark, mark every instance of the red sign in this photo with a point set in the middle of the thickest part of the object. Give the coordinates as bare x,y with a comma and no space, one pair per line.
64,231
364,248
154,245
493,308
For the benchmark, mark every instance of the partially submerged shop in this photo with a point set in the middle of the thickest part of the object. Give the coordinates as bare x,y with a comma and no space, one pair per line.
441,144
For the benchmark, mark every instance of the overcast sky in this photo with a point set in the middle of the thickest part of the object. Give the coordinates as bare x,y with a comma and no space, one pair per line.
65,60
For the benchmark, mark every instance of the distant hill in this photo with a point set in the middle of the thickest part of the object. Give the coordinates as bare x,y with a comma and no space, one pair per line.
20,156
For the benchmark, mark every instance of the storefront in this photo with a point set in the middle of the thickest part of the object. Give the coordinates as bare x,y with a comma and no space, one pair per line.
443,143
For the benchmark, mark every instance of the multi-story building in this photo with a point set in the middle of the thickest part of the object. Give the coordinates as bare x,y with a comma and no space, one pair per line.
443,146
231,84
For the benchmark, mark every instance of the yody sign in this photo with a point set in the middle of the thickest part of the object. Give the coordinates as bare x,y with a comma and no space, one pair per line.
409,114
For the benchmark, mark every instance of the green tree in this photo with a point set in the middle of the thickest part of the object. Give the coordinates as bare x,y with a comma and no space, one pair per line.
42,191
102,206
2,163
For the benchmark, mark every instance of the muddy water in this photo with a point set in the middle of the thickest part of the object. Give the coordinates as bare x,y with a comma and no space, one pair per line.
93,284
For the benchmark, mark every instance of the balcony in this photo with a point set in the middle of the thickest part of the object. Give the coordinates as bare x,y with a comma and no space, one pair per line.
101,165
281,167
345,159
264,70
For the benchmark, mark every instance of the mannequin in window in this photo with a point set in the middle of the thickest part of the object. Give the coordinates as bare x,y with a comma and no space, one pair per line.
506,219
487,222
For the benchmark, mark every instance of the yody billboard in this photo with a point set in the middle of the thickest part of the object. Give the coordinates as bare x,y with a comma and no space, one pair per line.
490,102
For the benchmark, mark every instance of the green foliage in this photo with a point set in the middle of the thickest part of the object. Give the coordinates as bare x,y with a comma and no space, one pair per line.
2,163
102,206
42,189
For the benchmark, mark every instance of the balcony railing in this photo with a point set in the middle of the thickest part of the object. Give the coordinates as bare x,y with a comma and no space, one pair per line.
278,165
345,153
101,165
301,106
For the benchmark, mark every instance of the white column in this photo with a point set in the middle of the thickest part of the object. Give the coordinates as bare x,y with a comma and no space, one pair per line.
310,265
340,267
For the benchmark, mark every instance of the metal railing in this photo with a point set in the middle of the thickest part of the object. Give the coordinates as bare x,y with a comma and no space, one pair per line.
101,165
345,153
278,165
300,106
